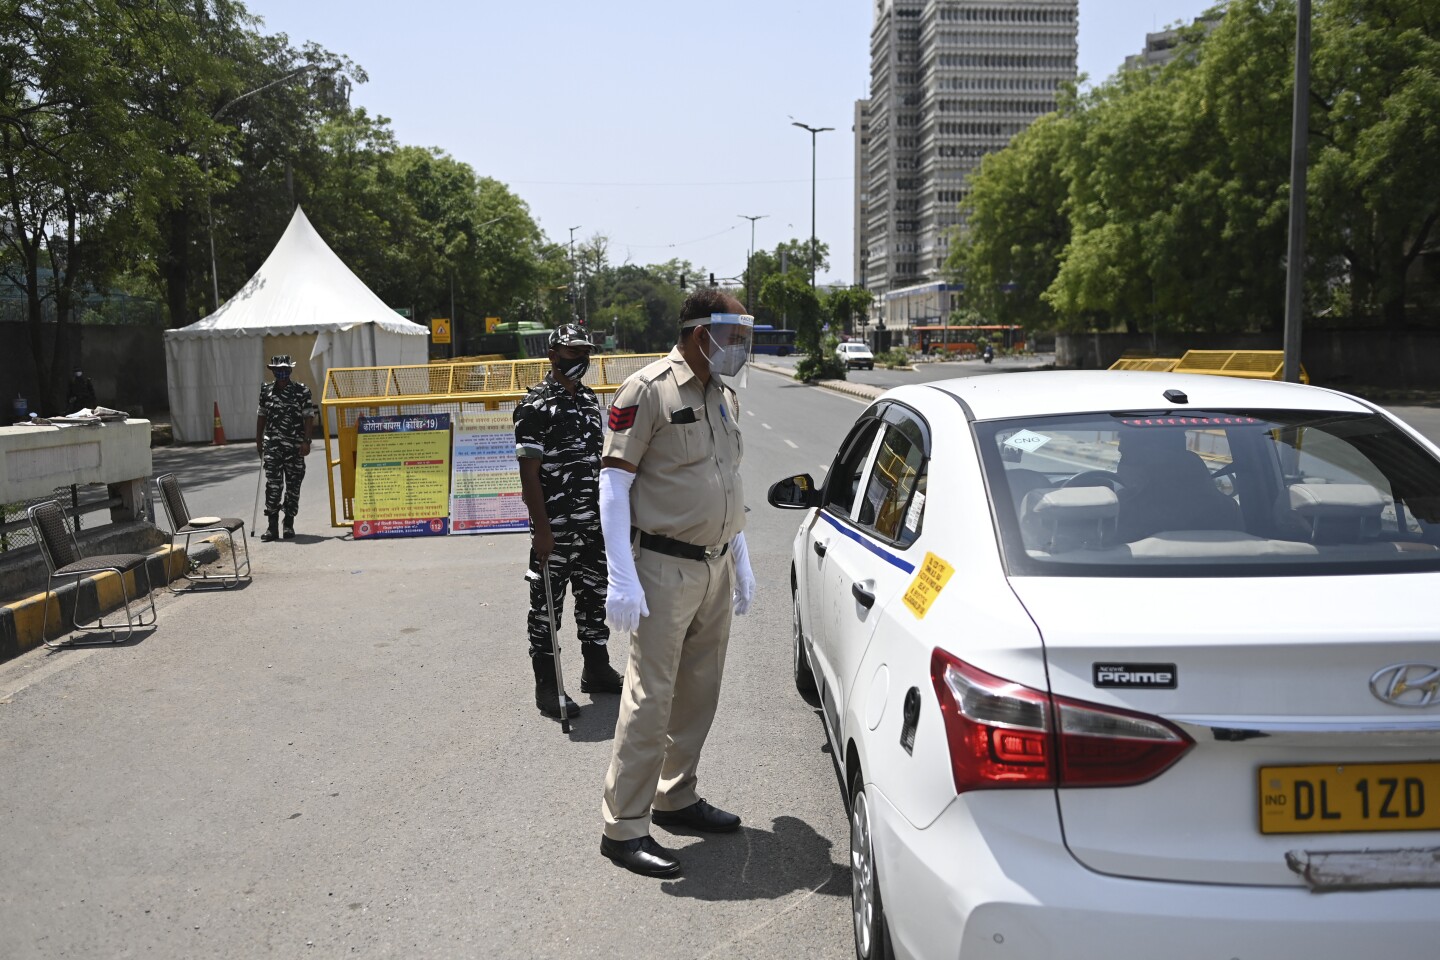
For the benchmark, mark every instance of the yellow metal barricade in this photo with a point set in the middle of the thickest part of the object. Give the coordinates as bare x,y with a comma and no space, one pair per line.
1161,364
1250,364
453,388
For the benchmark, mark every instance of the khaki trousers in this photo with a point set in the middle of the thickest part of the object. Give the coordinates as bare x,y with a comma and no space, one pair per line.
672,685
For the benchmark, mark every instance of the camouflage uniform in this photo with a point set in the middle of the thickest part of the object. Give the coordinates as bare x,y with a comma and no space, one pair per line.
285,408
564,432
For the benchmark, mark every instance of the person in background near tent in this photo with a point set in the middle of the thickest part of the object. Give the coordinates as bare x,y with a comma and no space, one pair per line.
82,393
557,441
283,425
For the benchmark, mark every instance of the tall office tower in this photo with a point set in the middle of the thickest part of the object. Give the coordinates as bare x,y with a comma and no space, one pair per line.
950,81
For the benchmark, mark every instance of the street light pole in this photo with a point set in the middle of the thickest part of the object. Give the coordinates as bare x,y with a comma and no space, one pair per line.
813,131
209,217
749,264
574,305
1299,158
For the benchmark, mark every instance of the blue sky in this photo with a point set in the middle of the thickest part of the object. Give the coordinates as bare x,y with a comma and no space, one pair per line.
653,122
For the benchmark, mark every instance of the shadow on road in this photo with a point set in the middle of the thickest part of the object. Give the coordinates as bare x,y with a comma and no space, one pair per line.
199,467
596,722
755,864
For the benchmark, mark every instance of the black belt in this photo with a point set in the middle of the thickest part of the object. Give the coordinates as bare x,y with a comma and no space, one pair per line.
679,548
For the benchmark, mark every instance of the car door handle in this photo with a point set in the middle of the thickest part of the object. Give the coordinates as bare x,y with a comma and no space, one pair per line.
866,598
819,548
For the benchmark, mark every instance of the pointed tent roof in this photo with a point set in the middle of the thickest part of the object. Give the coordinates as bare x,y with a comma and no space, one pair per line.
302,287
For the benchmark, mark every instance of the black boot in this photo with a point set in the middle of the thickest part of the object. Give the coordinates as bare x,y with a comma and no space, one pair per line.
547,698
272,532
289,526
598,676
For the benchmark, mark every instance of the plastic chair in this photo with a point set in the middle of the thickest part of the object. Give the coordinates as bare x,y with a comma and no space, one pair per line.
181,523
65,561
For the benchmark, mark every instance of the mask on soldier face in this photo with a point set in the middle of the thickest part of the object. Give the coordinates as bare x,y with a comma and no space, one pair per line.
575,370
282,373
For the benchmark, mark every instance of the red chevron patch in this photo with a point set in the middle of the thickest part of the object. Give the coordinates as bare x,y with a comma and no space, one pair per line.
622,418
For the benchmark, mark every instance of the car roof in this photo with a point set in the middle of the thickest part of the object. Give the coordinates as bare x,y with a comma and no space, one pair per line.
1033,393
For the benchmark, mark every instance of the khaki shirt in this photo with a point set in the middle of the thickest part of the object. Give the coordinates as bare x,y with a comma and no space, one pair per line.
687,480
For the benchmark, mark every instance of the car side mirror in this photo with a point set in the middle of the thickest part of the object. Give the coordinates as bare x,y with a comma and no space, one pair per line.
794,493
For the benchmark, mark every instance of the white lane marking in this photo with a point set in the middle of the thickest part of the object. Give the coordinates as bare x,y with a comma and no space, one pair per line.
792,444
766,426
750,412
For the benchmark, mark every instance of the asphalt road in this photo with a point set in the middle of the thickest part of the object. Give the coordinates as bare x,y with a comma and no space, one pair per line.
344,759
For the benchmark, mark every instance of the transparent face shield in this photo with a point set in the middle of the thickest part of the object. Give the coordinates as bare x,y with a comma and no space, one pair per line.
725,341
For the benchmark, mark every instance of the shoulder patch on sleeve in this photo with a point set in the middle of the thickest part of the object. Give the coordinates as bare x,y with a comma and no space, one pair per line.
623,418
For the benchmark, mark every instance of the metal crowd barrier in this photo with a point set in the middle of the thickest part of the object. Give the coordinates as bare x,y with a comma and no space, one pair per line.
1249,364
454,388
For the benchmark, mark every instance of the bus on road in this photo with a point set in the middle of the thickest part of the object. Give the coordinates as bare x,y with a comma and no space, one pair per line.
767,339
965,340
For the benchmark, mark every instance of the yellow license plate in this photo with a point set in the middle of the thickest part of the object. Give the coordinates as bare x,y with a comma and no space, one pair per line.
1350,798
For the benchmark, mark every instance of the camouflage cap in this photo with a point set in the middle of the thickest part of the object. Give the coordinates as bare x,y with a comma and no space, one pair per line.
569,335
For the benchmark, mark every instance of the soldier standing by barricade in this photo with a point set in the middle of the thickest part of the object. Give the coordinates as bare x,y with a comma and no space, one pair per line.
558,440
283,425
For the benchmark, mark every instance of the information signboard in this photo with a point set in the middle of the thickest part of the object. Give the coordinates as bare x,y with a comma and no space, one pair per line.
402,476
485,484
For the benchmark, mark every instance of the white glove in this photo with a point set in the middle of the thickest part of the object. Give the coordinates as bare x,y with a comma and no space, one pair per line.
744,578
624,600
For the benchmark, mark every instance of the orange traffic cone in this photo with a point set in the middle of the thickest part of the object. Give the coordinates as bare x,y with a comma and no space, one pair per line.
219,440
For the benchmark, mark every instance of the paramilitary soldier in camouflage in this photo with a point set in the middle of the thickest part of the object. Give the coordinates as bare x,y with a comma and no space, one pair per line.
283,425
558,441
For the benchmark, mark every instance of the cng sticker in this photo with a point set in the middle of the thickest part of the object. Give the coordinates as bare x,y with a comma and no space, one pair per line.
931,578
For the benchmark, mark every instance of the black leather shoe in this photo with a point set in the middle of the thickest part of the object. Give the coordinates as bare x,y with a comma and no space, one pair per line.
548,700
698,816
641,855
600,678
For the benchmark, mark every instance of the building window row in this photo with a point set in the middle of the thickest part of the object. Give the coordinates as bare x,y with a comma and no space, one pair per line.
1032,107
980,129
1013,61
1006,15
955,151
951,196
999,84
997,38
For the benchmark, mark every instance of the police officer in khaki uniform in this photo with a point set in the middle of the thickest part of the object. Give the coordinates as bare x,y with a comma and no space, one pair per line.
672,508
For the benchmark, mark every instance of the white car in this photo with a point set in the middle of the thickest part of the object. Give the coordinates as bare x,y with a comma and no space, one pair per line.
855,354
1155,674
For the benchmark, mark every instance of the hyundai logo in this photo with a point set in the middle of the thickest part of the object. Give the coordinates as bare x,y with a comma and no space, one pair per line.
1407,684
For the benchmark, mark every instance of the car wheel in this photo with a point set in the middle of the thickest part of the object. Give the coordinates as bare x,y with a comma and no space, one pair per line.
804,676
872,936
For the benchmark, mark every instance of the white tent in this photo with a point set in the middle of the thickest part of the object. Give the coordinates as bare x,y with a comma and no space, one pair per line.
302,301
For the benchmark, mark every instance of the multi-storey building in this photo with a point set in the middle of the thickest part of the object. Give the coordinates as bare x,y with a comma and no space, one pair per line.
950,81
1165,45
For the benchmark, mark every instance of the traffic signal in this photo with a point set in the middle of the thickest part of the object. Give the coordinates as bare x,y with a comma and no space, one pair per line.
682,281
712,281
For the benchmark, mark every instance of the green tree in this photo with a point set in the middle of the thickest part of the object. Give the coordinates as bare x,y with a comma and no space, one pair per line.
847,308
1018,226
1376,147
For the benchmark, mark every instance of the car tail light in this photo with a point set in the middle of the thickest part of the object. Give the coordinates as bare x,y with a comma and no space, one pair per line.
1004,734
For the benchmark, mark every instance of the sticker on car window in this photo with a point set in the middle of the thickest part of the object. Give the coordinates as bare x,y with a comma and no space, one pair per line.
929,580
1026,440
917,508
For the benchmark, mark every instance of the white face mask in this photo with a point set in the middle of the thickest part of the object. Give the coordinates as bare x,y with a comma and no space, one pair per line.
727,361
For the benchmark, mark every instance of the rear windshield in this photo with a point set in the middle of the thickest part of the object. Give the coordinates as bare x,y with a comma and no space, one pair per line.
1216,493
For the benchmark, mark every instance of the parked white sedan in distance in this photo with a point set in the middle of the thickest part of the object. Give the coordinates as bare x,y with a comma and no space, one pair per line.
855,354
1129,665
